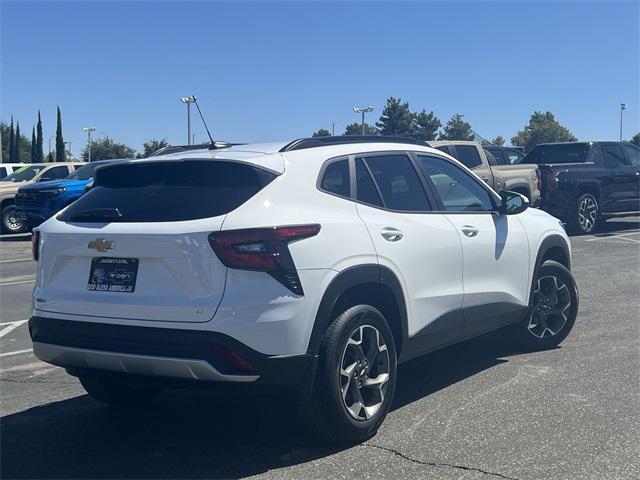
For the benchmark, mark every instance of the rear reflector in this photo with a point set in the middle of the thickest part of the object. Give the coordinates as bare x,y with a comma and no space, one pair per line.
263,249
35,245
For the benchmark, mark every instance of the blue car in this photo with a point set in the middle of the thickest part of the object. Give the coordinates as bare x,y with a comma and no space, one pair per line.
37,202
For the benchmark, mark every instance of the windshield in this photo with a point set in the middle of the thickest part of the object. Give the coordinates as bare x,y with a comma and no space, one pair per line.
23,174
560,153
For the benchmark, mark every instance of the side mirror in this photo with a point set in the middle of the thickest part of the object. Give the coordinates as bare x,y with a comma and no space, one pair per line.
512,203
88,186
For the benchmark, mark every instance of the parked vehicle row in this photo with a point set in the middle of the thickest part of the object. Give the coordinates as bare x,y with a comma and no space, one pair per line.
36,202
25,175
319,265
584,183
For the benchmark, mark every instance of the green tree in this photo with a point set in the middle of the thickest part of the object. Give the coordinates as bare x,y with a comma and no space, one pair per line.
151,146
457,129
636,139
542,128
106,149
12,139
39,149
355,128
396,118
5,133
59,139
425,126
499,141
34,155
323,132
50,157
17,140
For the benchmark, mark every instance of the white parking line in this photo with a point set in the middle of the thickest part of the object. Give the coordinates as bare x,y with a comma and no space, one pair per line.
18,352
17,260
11,327
14,321
21,282
619,235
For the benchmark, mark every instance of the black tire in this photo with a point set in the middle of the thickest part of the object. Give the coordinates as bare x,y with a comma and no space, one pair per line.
586,215
10,224
119,391
325,413
526,337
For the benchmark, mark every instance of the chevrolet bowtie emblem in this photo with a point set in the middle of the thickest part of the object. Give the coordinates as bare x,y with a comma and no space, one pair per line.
101,245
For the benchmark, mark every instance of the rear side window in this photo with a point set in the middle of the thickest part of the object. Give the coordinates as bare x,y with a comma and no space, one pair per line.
468,155
513,156
398,182
336,178
3,172
445,149
167,191
497,155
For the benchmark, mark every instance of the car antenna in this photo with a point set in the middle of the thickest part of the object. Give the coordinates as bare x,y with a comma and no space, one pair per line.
195,100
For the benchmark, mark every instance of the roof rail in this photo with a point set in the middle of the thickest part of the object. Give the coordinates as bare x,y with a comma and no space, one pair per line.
312,142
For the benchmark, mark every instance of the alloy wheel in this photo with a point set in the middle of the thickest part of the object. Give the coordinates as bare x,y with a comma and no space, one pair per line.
364,372
587,213
11,221
551,304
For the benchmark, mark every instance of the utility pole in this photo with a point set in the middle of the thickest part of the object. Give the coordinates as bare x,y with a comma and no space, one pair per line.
623,107
363,110
188,101
89,130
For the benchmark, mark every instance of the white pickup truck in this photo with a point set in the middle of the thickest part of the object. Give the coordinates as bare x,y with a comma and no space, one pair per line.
521,178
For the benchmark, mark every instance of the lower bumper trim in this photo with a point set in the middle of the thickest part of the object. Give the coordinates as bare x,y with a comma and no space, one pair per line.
192,369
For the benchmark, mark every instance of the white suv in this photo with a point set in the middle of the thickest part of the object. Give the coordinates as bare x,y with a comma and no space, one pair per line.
319,264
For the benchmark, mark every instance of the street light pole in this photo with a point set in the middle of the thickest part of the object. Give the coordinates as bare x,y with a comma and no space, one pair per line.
623,107
188,101
363,110
89,130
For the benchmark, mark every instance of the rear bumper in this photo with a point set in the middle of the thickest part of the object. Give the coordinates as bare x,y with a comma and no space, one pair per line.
162,352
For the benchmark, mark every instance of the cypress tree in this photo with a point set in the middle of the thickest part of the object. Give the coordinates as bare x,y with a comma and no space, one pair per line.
59,139
39,150
34,155
12,138
16,144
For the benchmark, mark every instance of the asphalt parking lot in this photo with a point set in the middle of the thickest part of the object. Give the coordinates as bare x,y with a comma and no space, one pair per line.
476,410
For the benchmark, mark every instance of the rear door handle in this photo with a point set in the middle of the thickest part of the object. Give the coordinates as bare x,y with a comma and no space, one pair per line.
391,234
470,231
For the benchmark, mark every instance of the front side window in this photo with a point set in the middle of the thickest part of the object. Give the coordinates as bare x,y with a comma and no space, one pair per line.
54,173
632,153
468,155
336,178
458,191
398,182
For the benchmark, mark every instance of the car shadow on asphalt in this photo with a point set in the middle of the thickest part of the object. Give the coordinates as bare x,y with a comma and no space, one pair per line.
201,434
15,238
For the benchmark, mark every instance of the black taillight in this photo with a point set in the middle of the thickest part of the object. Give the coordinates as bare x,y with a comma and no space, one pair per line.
35,244
263,249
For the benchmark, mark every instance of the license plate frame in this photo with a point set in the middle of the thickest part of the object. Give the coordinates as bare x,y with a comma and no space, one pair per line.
113,274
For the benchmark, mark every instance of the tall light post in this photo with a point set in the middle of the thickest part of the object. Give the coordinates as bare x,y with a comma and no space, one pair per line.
70,152
363,110
89,130
623,107
188,101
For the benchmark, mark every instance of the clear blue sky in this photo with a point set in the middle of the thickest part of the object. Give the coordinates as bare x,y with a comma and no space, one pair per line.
274,71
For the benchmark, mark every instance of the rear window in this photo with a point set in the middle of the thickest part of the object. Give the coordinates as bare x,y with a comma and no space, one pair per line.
167,191
569,153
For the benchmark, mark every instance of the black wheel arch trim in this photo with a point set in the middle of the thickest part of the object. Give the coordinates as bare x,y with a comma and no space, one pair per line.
349,278
552,241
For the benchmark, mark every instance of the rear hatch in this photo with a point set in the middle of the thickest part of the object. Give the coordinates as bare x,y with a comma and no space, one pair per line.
136,245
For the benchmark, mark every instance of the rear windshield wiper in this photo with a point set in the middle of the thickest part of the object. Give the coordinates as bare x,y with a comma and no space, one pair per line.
96,214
